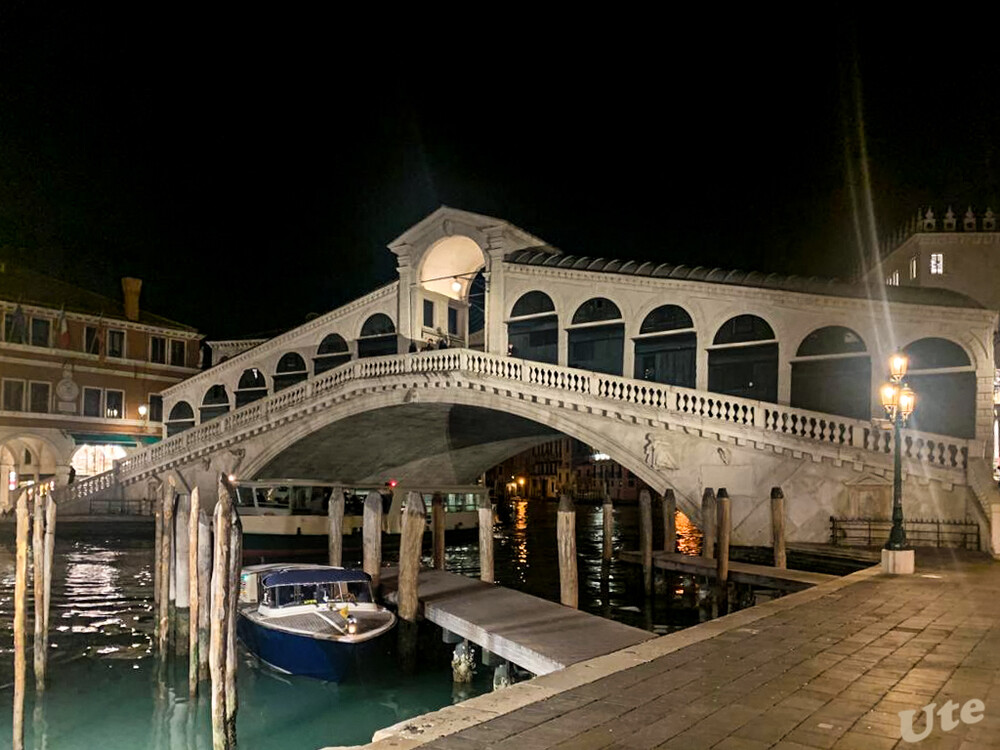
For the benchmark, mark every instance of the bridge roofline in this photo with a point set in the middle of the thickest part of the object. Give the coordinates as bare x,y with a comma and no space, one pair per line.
444,213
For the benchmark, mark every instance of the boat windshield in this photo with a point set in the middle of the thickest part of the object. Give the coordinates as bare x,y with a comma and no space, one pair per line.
319,593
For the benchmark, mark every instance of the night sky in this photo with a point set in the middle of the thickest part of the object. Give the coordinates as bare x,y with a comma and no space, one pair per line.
251,169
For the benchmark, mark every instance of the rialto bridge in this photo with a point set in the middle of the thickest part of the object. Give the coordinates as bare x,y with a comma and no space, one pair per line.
690,377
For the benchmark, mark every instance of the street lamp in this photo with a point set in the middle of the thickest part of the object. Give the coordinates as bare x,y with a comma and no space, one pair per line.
898,400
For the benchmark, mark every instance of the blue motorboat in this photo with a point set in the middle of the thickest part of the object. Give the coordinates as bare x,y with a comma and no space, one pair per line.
313,620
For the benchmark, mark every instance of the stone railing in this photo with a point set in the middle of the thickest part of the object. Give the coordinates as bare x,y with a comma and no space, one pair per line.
761,418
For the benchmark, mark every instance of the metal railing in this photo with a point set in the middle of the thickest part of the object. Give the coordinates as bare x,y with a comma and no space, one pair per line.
920,532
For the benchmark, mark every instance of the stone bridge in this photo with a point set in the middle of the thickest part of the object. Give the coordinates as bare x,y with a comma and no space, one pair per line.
689,377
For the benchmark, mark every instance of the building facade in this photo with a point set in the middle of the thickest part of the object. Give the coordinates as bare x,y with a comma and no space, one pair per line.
80,377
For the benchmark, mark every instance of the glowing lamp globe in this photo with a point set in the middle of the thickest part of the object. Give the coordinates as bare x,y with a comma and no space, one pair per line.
888,394
897,365
907,401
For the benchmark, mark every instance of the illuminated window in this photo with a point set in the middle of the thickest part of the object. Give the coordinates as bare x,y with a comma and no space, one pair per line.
892,279
95,459
913,267
114,404
937,263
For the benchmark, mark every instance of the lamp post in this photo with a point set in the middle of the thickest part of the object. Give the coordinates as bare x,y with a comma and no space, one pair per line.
898,400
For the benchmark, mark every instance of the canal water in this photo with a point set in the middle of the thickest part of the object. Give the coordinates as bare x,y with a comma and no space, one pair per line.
108,690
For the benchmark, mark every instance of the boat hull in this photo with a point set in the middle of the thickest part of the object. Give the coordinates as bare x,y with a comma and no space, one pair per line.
291,653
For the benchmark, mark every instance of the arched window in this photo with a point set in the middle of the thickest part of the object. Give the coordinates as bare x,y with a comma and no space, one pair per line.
941,374
181,417
477,311
666,347
743,360
332,352
215,403
291,369
832,373
533,329
252,386
597,340
378,337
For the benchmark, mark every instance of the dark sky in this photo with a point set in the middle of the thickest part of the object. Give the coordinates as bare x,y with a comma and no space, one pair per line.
251,169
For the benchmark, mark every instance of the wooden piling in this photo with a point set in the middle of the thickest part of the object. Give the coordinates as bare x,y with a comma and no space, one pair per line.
233,600
372,538
708,523
157,541
566,540
50,548
335,527
410,543
437,528
608,518
724,526
20,607
485,538
669,503
646,540
219,631
38,582
194,600
166,557
778,526
204,593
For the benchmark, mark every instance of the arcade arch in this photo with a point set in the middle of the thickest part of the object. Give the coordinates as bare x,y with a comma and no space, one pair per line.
215,403
942,375
832,373
180,418
666,347
743,359
331,352
533,329
378,336
251,386
291,369
597,337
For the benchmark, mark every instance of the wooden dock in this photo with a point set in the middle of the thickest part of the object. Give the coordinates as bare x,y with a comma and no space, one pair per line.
757,575
535,634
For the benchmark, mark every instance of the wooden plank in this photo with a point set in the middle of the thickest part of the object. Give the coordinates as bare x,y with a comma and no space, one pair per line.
760,575
537,635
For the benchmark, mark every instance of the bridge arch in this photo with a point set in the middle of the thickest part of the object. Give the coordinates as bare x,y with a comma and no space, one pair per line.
832,372
743,359
331,352
666,347
180,418
251,386
291,369
533,328
597,337
942,374
377,336
215,402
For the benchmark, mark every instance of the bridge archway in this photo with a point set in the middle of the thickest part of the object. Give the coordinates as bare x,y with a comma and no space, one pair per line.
215,403
180,418
448,272
251,386
331,352
377,336
743,360
666,348
597,337
943,377
291,369
832,372
533,328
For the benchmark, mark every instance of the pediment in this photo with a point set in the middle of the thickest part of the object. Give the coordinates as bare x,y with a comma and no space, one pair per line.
447,221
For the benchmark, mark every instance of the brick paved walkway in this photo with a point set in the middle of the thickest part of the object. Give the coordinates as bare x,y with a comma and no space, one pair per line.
830,673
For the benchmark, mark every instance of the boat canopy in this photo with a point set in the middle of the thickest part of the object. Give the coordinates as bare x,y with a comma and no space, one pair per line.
314,576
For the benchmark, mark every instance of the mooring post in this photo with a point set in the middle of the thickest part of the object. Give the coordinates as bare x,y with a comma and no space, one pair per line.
233,601
204,592
646,540
485,538
157,541
182,572
724,526
669,503
50,548
38,581
708,523
410,542
194,600
20,605
335,516
372,538
166,557
437,528
220,609
608,519
778,526
566,540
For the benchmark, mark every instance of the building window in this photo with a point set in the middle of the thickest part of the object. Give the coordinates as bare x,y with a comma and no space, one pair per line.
40,329
114,404
13,395
91,342
38,400
178,353
452,321
91,402
158,350
155,408
116,343
937,263
913,267
428,313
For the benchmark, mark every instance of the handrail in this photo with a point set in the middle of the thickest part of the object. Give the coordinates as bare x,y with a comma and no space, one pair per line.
812,427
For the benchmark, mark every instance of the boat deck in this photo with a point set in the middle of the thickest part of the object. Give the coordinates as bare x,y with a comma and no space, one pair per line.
535,634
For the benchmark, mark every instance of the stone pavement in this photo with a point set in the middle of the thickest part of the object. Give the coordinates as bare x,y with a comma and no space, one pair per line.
827,668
